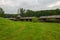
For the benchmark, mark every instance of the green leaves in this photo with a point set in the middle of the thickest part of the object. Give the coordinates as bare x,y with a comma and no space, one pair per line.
1,12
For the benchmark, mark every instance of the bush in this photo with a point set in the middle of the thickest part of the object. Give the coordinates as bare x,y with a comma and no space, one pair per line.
35,19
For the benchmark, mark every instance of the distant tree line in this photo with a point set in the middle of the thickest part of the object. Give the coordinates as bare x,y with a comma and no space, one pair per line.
30,13
10,15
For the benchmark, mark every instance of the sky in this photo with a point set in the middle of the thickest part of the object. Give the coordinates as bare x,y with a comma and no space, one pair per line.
11,6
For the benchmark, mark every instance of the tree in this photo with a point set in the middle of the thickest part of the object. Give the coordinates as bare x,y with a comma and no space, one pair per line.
31,13
22,12
1,12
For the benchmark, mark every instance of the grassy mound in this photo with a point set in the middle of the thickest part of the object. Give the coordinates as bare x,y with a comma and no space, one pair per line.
10,30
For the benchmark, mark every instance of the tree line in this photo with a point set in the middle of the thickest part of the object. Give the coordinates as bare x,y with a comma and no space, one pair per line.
30,13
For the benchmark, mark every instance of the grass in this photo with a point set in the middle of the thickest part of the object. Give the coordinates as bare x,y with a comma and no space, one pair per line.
11,30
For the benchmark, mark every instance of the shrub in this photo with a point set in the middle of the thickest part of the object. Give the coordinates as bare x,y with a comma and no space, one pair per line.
35,19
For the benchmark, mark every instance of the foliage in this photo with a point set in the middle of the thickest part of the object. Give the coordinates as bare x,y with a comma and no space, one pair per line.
10,15
1,12
22,12
30,13
35,19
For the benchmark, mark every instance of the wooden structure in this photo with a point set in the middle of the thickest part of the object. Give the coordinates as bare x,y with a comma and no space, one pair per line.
55,18
21,18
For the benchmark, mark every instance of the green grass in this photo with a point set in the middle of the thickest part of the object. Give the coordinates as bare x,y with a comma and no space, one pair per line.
11,30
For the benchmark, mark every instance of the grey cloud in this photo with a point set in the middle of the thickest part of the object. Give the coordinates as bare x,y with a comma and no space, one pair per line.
27,4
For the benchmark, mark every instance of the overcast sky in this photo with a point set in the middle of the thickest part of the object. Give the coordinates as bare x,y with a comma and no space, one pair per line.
11,6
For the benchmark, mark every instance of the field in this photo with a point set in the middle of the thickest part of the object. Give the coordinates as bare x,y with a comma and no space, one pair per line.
11,30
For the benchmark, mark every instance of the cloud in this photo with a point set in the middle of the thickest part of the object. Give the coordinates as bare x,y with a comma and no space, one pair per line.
18,2
54,4
11,6
5,2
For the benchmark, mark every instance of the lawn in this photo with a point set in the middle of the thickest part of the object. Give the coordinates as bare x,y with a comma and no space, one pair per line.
16,30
